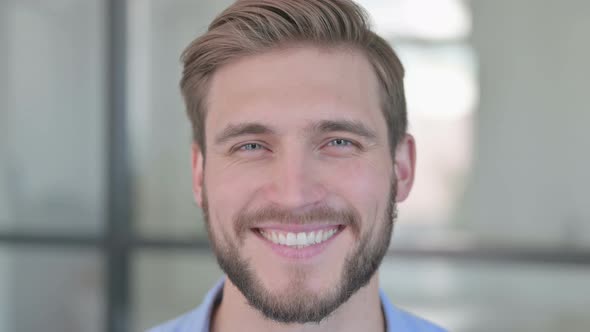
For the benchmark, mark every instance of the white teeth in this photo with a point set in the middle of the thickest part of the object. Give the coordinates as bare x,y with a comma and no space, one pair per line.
319,236
291,239
298,240
301,239
311,238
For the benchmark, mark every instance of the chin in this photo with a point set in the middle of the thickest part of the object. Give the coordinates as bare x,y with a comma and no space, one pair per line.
297,280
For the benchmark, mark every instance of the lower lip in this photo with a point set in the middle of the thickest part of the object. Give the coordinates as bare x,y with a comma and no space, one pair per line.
299,253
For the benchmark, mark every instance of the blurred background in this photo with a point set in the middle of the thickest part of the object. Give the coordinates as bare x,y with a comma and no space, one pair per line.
98,230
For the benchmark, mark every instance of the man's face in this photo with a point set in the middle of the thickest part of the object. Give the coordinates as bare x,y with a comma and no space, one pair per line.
298,184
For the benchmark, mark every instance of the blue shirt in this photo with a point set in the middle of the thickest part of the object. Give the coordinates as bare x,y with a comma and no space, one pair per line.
199,319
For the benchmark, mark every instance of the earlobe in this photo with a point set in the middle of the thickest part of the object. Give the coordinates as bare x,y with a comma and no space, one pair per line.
197,172
405,166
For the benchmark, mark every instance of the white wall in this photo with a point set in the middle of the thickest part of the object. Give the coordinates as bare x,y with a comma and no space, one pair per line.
531,174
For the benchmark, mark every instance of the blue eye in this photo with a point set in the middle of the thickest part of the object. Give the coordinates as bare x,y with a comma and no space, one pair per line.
340,142
251,147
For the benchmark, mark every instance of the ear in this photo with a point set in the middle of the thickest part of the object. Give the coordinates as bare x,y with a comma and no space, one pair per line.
197,170
405,166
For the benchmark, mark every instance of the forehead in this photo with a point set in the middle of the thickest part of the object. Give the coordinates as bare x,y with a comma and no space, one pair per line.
293,86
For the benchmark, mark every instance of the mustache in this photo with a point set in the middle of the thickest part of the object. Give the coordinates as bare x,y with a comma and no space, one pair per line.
320,214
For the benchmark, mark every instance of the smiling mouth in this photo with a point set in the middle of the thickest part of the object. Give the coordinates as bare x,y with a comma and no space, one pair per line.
299,240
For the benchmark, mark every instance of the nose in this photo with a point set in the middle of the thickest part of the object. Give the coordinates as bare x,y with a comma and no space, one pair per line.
295,180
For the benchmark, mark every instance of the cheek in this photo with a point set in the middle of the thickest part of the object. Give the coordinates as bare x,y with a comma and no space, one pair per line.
228,192
363,184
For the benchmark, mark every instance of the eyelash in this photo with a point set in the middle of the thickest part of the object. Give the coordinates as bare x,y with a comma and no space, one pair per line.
243,147
348,142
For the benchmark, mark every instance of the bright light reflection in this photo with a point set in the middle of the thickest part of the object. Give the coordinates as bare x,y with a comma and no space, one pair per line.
439,82
442,93
422,19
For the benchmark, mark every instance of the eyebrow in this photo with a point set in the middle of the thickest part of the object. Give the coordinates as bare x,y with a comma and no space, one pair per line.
353,127
232,131
236,130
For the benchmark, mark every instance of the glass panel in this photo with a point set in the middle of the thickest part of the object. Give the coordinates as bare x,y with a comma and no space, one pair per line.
51,115
168,284
486,297
159,127
54,290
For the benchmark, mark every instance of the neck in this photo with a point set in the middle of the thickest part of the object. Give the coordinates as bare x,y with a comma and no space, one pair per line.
362,312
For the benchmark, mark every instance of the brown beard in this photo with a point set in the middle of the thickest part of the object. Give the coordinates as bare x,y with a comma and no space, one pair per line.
298,306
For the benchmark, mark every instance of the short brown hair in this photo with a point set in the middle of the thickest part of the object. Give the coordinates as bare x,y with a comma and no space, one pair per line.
251,27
